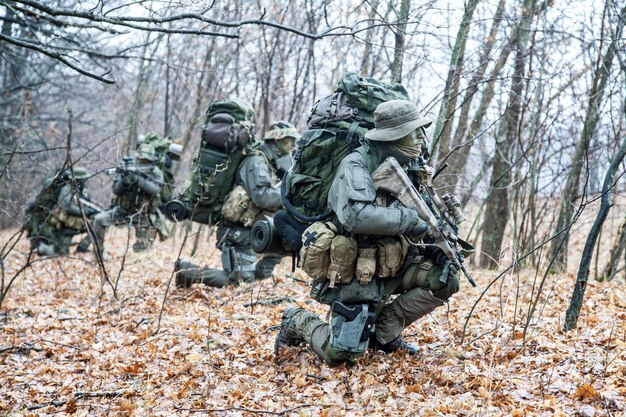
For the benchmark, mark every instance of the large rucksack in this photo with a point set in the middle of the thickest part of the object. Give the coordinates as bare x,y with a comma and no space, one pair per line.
227,131
337,125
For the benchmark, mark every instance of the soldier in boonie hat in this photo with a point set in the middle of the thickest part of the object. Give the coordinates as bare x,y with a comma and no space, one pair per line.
399,130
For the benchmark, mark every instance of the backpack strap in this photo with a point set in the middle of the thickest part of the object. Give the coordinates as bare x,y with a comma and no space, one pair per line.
370,98
366,152
353,128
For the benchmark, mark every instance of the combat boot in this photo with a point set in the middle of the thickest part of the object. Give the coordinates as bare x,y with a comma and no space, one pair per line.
142,243
284,338
182,280
83,245
396,344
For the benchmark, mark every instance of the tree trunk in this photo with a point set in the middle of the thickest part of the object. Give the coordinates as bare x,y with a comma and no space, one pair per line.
618,248
166,110
497,208
365,66
573,312
138,98
448,100
400,31
450,181
558,250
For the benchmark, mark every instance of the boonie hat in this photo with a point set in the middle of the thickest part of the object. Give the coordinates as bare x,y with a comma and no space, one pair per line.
280,130
395,119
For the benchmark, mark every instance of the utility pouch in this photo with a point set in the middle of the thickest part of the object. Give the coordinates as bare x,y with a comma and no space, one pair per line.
62,219
365,265
236,204
351,326
390,257
315,251
343,254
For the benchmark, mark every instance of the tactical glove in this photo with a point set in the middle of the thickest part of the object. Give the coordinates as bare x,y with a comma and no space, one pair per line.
129,178
90,211
418,232
452,283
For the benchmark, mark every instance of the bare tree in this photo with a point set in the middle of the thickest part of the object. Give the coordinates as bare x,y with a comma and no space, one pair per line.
570,193
573,312
497,208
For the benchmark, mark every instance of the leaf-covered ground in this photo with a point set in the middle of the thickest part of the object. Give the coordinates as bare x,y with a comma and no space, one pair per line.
67,346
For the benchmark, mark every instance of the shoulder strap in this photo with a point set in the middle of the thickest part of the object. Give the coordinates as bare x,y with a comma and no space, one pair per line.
367,153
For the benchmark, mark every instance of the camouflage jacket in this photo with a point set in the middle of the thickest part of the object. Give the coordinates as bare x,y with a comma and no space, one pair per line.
354,199
139,191
257,175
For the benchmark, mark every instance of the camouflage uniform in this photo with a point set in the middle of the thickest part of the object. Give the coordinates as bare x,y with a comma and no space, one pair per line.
136,203
58,216
259,174
369,216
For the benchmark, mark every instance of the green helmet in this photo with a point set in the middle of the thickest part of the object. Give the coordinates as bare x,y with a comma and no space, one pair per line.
280,130
145,151
77,173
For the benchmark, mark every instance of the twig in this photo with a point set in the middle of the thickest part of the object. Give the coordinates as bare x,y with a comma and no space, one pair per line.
78,395
270,302
24,348
38,406
249,410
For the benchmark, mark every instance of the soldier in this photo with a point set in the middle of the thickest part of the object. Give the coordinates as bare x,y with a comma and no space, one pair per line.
136,202
362,313
257,180
57,215
166,152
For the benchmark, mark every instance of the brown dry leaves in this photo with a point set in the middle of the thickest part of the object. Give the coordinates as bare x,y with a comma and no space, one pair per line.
82,354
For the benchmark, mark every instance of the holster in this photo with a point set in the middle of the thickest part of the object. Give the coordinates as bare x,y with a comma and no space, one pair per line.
351,326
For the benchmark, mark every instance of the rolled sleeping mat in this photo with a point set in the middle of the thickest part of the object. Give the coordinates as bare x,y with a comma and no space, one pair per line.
266,240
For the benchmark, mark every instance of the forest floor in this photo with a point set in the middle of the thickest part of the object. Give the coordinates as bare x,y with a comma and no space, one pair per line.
69,347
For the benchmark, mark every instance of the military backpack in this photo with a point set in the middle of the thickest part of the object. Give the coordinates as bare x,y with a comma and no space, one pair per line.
337,125
227,132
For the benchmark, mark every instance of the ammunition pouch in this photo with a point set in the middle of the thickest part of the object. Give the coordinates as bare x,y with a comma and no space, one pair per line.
315,252
351,327
365,265
343,255
391,254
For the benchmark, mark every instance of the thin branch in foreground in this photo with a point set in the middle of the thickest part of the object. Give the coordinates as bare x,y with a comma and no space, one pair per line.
249,410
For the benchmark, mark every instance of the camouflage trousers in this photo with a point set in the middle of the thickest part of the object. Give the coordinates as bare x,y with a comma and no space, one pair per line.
392,318
239,262
146,227
52,241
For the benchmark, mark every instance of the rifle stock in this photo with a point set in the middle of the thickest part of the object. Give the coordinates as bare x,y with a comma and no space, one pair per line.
390,177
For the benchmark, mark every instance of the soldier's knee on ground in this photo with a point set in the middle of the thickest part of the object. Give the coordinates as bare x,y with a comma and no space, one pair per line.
265,267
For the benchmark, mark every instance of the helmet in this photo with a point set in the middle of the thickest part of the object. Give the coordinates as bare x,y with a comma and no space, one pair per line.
145,151
280,130
77,173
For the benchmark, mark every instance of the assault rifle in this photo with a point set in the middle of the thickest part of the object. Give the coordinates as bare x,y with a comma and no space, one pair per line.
390,177
128,166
